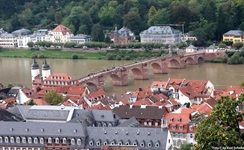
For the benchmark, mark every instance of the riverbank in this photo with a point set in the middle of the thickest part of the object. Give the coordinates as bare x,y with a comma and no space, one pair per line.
69,54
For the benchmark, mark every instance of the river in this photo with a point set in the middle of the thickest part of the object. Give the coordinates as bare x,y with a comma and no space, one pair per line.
17,71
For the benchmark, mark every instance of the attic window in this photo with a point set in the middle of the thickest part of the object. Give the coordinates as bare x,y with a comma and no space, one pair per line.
179,119
181,127
170,119
191,127
75,131
173,127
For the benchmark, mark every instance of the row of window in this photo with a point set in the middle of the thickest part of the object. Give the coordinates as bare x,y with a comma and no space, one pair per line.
36,140
150,124
19,148
113,142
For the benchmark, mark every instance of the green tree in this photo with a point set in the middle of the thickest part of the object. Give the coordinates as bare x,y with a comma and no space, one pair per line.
222,45
152,12
237,45
97,33
31,102
75,56
70,44
54,98
221,128
133,21
107,16
30,44
185,147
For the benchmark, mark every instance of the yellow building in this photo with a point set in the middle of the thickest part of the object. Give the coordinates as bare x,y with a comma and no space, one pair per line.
234,36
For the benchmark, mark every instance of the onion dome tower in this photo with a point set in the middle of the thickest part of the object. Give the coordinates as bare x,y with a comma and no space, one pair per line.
45,70
35,70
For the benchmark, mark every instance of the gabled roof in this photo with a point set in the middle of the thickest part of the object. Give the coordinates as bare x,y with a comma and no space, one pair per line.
131,135
234,33
7,116
76,90
44,113
80,36
63,29
43,129
149,112
60,77
191,47
132,122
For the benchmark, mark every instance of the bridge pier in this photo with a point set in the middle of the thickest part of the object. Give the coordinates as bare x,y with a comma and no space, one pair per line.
122,79
162,70
141,72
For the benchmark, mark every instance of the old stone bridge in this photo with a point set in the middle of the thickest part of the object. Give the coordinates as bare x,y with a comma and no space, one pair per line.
160,65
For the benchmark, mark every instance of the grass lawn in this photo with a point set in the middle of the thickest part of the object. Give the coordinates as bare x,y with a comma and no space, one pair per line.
50,54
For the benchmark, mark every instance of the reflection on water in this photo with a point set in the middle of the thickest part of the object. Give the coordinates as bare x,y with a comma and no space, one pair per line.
17,70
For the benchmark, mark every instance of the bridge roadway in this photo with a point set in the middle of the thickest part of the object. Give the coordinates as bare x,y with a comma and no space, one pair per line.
119,74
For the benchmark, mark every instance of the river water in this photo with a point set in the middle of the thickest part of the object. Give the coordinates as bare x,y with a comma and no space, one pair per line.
17,71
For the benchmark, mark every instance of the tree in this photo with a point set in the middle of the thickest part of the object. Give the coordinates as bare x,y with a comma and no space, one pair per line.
31,102
107,16
133,21
185,147
97,33
30,44
222,45
152,12
70,44
221,128
53,97
237,45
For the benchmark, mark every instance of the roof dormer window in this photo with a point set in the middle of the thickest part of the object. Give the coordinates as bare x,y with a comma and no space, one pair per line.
181,127
170,119
191,128
173,127
179,119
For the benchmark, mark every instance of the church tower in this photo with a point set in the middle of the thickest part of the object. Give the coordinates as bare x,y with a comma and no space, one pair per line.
35,70
45,70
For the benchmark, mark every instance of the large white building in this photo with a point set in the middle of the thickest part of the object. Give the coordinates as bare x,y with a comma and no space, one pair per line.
161,34
60,34
8,40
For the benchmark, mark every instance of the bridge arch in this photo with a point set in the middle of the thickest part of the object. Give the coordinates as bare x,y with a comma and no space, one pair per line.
91,84
190,61
115,77
200,60
137,73
174,63
156,66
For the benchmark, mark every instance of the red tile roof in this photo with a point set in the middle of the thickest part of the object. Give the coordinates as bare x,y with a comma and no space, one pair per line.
63,29
233,91
60,77
10,100
38,102
76,90
203,108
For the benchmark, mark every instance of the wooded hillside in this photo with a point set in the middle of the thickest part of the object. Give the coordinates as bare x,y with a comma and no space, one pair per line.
208,19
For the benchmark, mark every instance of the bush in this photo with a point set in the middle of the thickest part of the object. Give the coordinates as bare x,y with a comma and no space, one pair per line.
235,59
222,45
70,44
75,56
41,56
33,56
127,58
237,45
110,56
118,57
